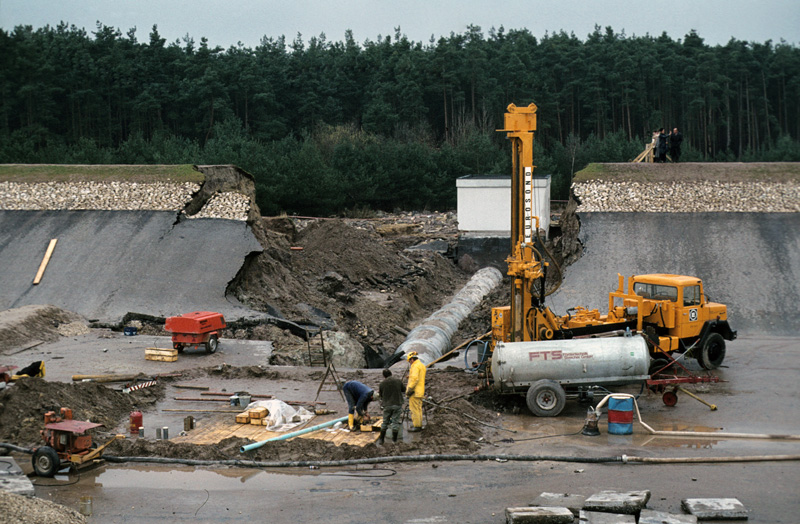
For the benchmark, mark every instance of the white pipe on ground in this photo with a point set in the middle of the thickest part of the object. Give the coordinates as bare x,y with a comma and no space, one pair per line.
431,339
700,434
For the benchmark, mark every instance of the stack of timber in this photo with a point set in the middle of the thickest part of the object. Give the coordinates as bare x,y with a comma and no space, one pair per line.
255,417
161,354
258,416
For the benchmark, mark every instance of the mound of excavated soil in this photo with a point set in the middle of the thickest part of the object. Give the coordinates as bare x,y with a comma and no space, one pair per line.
345,278
23,405
452,427
29,325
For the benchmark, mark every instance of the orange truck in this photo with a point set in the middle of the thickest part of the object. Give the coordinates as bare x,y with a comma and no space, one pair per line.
195,329
671,311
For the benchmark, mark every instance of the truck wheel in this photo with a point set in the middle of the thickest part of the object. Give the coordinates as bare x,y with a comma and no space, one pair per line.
656,365
46,462
713,352
546,398
211,345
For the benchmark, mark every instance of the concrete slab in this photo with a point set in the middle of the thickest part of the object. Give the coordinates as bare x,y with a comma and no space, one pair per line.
9,466
540,515
566,500
627,502
598,517
649,516
715,509
12,478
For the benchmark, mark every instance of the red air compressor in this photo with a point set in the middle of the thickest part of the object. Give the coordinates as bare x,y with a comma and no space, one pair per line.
194,329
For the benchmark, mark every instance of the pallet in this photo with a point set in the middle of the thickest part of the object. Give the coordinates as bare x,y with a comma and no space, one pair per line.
212,431
161,354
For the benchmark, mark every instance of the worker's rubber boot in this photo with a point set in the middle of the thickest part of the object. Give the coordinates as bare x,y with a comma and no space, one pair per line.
350,422
382,438
395,434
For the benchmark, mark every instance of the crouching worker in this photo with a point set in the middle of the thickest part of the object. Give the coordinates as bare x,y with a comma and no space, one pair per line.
391,395
358,397
415,390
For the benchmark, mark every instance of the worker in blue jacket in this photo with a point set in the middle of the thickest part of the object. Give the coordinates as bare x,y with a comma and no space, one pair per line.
358,397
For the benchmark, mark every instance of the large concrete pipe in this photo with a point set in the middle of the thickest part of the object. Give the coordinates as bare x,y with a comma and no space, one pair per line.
431,339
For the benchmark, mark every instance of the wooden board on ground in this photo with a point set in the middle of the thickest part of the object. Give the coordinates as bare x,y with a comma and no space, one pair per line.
211,431
160,358
161,354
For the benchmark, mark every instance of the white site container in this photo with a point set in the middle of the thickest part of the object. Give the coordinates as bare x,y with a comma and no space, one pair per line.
484,205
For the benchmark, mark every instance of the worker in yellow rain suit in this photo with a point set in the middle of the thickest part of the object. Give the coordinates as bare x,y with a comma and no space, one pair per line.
415,390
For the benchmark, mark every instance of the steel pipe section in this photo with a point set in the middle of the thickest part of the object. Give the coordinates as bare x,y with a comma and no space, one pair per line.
431,339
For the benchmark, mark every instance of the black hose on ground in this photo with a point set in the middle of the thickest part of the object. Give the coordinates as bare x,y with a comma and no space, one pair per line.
372,460
18,449
622,459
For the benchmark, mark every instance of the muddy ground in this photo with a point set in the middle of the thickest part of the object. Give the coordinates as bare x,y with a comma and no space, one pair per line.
352,276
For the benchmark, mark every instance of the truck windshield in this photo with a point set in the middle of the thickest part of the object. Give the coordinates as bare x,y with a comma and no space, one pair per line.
655,291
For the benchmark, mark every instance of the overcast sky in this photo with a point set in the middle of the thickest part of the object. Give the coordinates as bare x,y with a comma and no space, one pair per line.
225,23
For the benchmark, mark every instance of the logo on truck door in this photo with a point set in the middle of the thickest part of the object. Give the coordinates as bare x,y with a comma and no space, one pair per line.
692,314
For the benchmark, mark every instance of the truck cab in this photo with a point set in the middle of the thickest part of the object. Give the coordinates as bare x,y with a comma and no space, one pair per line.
675,314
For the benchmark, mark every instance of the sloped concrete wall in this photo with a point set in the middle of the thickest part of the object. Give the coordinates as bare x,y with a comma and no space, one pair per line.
748,261
109,263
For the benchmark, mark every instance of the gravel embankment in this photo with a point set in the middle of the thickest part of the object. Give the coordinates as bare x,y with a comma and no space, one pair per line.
118,196
688,197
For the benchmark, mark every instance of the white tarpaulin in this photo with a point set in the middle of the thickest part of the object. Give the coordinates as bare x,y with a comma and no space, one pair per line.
282,416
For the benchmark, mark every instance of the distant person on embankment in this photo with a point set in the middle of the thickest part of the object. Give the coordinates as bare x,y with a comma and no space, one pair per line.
661,146
675,141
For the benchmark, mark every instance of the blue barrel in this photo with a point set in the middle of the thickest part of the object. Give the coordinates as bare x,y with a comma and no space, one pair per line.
620,416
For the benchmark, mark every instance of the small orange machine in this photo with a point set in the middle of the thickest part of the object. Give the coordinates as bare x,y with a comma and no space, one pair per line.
194,329
66,444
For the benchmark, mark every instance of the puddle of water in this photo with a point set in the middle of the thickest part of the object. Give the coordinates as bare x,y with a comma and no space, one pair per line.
188,479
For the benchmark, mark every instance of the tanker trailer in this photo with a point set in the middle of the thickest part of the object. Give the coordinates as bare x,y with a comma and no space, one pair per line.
544,371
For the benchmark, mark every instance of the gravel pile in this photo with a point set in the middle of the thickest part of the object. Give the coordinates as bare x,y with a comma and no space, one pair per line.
32,510
688,197
118,196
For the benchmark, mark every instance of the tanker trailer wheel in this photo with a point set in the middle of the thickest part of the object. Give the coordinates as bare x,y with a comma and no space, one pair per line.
546,398
46,462
713,352
178,346
211,345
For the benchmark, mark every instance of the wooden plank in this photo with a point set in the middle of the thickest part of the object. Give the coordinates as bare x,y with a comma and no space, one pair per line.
190,399
157,352
243,418
161,358
203,410
45,261
258,412
214,431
